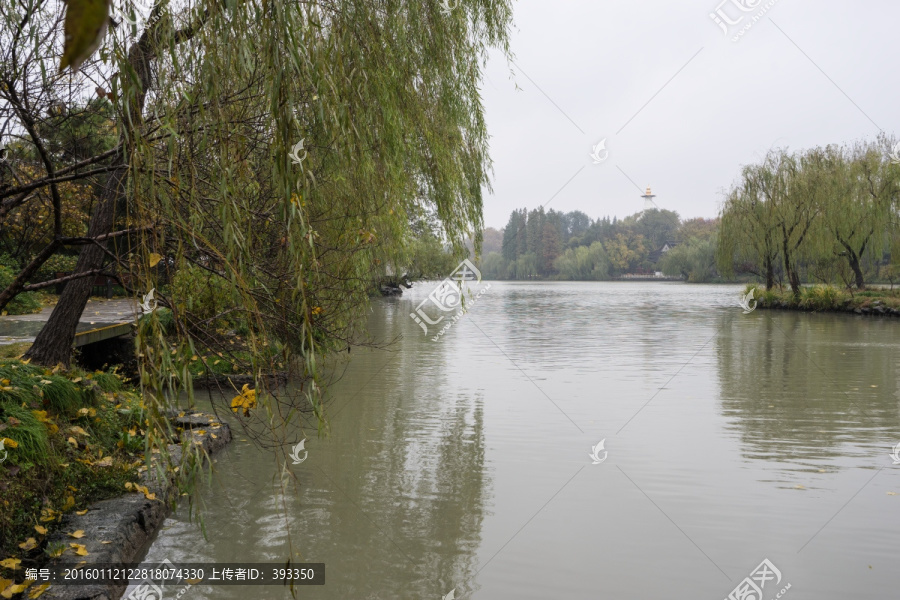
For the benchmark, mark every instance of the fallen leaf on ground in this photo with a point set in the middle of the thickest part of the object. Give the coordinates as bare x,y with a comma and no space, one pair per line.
29,544
81,513
48,514
10,443
70,503
80,550
77,430
10,563
38,591
77,534
104,462
72,441
40,530
18,588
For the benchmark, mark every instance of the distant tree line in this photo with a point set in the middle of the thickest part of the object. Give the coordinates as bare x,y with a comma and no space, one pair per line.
540,244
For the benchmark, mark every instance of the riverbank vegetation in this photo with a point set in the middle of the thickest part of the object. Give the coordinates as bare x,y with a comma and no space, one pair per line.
70,438
824,298
825,215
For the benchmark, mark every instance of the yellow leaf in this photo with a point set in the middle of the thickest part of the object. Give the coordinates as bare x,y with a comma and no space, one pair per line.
29,544
38,591
10,443
105,462
76,380
105,542
5,583
80,550
87,412
10,563
41,530
48,514
70,503
154,259
77,534
77,430
73,441
81,513
16,589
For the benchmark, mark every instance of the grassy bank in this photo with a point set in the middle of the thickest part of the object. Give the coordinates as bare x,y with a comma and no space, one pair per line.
829,298
70,438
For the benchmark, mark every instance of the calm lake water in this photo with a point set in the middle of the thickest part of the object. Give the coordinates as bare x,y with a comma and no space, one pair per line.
465,463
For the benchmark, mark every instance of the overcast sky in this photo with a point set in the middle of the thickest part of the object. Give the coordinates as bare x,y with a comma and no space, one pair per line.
681,106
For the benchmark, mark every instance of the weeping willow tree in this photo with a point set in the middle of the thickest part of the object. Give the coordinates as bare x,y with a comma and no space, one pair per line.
860,188
267,156
748,238
831,211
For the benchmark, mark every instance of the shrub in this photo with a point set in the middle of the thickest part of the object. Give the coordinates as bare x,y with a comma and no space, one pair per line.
58,263
24,303
203,295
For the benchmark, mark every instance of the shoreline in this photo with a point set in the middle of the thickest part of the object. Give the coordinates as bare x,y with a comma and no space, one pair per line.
119,530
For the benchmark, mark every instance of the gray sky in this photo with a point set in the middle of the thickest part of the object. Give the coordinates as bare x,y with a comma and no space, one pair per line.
680,104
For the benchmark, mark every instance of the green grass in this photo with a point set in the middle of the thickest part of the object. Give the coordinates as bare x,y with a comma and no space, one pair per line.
825,298
62,423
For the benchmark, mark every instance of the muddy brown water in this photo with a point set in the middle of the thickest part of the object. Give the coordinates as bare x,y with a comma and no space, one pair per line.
467,464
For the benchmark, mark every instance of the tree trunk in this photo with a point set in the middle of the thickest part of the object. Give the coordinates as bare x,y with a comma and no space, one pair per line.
857,271
53,344
770,274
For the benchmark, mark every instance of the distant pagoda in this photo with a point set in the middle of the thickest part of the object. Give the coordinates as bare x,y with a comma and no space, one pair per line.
648,197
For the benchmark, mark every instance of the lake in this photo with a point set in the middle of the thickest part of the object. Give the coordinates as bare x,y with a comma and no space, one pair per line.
472,463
